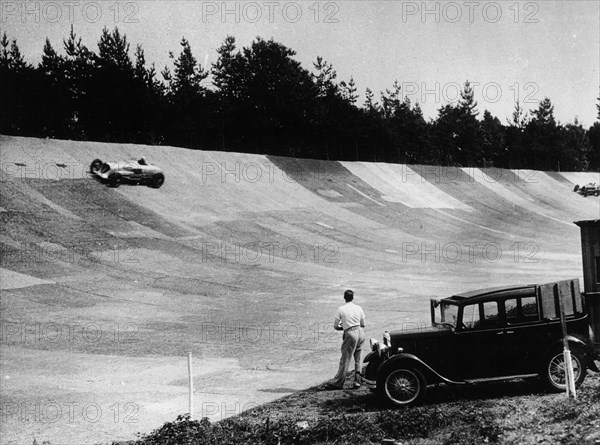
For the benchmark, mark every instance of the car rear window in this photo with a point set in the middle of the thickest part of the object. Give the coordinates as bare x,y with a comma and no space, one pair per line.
521,309
529,308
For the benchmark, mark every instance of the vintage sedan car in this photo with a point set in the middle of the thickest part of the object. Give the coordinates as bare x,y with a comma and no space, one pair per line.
591,189
486,335
132,172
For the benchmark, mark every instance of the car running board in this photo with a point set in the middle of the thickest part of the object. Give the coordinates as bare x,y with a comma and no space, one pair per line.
497,379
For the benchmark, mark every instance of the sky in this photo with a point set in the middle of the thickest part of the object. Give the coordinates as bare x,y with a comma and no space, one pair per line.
506,49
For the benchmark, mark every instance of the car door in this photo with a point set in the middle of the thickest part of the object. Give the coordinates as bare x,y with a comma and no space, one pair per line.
525,334
479,341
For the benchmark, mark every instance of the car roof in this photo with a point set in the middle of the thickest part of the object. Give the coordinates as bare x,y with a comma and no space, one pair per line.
482,293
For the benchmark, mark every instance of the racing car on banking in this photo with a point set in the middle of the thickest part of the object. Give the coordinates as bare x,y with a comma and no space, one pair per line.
591,189
131,172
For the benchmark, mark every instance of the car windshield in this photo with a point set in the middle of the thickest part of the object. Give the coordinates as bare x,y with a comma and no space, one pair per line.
448,313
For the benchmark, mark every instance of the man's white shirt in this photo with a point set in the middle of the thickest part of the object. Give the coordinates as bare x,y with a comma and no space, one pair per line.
350,315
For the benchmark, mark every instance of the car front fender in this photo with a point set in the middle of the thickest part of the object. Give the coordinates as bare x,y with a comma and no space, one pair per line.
431,374
371,365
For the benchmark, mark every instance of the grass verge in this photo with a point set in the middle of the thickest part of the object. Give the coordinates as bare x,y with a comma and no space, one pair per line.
508,413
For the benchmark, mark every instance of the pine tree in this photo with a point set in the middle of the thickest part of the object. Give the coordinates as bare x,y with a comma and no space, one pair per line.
4,53
391,101
542,138
325,78
79,64
519,117
370,104
228,69
492,140
18,94
460,129
51,63
467,102
141,73
544,115
113,50
349,91
188,74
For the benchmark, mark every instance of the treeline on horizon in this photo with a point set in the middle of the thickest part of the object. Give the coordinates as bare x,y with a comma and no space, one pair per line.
259,99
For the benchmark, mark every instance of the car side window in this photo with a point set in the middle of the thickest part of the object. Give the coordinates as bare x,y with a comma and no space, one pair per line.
521,309
511,309
471,316
490,314
478,316
529,308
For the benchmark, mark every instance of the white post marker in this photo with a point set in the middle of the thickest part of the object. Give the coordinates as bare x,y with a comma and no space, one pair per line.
570,380
568,363
191,386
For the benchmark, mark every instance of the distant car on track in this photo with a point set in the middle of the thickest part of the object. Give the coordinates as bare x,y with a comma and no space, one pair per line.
132,172
591,189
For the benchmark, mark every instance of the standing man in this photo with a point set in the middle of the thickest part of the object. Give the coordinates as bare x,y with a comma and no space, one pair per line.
349,318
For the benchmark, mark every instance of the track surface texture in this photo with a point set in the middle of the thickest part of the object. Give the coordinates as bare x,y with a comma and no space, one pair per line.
240,259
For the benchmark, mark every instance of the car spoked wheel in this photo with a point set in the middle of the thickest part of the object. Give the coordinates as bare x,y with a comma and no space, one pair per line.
554,376
114,180
95,165
404,386
158,180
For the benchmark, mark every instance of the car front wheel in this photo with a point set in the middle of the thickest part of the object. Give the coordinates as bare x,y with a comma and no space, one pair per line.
404,386
95,165
553,374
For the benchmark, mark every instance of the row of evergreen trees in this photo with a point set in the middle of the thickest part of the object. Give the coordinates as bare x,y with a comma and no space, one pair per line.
259,99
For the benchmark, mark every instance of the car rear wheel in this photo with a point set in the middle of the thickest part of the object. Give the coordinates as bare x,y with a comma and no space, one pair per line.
553,373
95,165
157,180
114,180
404,386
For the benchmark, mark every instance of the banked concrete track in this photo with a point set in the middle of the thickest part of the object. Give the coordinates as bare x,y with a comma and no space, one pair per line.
241,259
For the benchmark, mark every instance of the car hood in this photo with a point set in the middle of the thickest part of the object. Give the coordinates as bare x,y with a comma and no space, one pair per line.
404,335
130,165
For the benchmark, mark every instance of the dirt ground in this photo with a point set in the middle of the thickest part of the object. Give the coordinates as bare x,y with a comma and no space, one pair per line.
242,260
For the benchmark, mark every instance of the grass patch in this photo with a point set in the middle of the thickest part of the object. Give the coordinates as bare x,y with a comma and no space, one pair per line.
349,418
